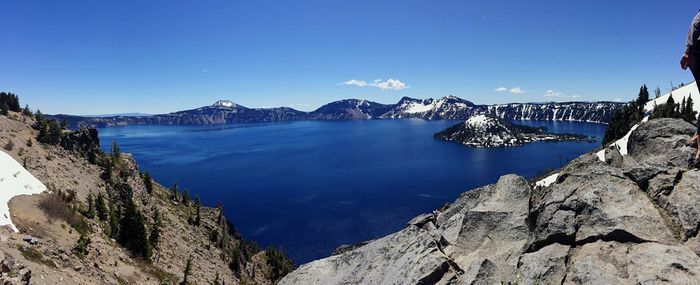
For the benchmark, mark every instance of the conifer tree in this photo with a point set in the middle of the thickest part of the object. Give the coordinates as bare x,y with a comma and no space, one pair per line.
198,217
54,134
148,182
173,191
26,111
154,238
4,108
101,207
132,231
185,197
114,218
217,279
642,99
188,271
90,211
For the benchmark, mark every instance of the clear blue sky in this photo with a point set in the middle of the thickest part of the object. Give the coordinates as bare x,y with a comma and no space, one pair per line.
93,57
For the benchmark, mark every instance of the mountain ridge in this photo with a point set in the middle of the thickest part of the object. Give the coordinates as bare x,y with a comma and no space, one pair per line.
444,108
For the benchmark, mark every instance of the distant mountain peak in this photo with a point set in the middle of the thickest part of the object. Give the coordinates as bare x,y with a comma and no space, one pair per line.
224,103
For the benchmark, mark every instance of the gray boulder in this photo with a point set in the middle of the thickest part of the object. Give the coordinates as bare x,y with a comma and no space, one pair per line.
409,256
593,201
644,263
545,266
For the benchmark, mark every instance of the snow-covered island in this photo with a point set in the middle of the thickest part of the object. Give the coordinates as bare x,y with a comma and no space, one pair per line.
491,131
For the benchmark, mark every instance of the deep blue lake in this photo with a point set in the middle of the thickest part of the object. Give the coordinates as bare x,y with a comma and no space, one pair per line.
311,186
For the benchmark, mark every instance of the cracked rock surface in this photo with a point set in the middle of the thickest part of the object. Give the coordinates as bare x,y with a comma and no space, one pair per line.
632,220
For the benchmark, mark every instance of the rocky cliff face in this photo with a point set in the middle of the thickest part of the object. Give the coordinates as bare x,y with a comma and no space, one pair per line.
595,112
446,108
630,220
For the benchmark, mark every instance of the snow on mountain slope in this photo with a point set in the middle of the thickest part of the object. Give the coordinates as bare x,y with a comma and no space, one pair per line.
14,181
595,112
224,103
678,95
448,107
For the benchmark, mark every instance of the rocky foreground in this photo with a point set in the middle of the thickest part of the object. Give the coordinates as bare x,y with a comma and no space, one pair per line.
631,220
491,131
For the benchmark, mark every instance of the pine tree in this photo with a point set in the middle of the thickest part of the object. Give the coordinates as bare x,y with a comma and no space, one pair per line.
690,116
26,111
114,218
115,153
188,271
174,193
154,238
683,110
4,108
148,182
90,211
185,197
198,217
101,207
132,231
642,99
217,279
54,134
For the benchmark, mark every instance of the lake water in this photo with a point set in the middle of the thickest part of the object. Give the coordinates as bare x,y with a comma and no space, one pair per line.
311,186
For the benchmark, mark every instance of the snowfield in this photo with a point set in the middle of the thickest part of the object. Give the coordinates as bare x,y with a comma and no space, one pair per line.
548,180
14,181
478,120
678,95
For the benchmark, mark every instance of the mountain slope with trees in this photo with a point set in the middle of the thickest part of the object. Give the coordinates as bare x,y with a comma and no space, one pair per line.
105,221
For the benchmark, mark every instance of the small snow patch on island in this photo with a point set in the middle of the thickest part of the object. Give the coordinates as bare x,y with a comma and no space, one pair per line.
14,181
478,120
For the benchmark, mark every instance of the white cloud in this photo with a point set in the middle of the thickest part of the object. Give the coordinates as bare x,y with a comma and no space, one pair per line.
390,84
617,99
553,93
516,90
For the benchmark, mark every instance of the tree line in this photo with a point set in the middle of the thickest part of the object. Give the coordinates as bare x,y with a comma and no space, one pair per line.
633,112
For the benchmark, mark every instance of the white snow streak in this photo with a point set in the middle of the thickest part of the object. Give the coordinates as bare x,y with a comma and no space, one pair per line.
14,181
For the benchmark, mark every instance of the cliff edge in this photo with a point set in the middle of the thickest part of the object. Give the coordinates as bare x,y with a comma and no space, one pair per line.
630,219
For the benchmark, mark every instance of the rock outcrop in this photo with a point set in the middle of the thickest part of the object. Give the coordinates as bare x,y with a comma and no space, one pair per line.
631,220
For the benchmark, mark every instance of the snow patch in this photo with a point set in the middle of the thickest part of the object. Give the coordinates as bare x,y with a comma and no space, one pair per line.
548,180
678,95
14,181
224,103
478,120
419,108
621,144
